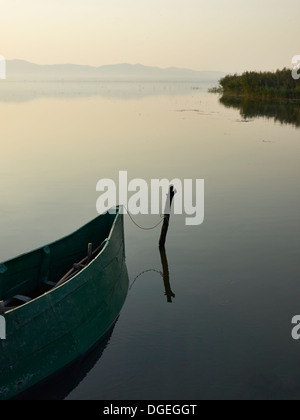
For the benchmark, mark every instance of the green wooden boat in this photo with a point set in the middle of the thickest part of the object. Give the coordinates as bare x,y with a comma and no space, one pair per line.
59,300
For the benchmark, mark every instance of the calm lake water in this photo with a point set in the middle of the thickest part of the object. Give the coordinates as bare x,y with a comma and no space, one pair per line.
236,278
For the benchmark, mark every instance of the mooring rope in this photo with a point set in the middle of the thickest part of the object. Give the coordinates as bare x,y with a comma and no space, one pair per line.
142,227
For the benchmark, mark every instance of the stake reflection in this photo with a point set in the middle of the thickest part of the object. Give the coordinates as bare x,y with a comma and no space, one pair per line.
166,275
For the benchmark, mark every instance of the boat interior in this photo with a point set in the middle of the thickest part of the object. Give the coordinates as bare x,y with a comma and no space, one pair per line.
31,275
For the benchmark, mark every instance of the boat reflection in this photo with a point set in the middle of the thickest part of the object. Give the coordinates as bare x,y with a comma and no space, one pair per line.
283,111
62,384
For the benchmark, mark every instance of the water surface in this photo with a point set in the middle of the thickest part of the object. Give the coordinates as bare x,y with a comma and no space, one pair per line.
227,332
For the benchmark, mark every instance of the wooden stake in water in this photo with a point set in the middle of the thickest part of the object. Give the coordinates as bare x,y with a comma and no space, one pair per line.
166,222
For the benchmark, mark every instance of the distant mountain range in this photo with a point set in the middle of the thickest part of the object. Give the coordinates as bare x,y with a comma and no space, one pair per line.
20,70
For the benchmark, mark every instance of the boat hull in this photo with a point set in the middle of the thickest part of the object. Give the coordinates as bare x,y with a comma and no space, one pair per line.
54,330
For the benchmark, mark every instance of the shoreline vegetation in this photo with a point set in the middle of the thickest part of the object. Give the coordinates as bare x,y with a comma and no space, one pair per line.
260,85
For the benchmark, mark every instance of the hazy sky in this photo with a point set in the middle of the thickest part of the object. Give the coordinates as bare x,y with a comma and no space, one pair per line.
229,35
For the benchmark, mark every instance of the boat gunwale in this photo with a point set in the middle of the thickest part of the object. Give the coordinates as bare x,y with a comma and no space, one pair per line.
106,240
